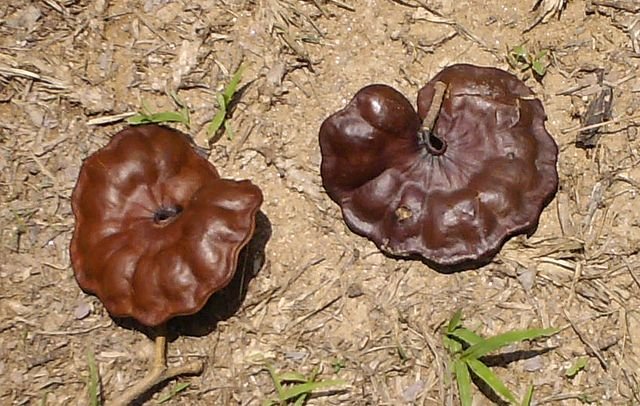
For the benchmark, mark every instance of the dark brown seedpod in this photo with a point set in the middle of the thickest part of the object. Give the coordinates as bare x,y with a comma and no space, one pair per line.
449,188
157,230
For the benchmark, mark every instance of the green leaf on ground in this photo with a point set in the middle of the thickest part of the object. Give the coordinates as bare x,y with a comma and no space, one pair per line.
224,100
159,118
463,379
483,372
467,336
528,396
577,366
94,380
502,340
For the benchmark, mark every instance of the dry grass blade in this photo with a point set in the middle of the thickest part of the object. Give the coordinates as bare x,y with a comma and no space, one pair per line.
111,119
57,7
343,5
53,83
632,272
632,6
319,7
588,343
417,4
621,119
291,25
546,10
427,14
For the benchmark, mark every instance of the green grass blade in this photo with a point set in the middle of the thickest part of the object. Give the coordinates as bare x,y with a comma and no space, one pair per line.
140,118
483,372
292,392
184,110
466,335
169,117
276,380
528,397
520,52
454,323
338,365
159,118
292,377
301,399
453,346
230,90
146,108
94,381
402,353
222,103
463,379
539,68
43,401
219,118
187,117
224,99
177,389
496,342
541,54
577,366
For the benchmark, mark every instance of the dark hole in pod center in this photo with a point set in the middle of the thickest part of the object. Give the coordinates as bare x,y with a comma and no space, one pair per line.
165,214
433,142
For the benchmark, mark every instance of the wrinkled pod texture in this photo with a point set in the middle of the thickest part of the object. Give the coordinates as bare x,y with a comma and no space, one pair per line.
451,196
157,230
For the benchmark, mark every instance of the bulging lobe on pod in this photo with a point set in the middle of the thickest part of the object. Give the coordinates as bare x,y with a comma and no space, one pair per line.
451,194
157,230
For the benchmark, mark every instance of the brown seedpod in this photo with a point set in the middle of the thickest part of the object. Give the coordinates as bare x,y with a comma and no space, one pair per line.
157,230
450,183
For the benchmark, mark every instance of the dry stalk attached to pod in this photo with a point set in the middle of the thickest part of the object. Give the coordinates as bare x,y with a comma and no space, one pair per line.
450,183
157,232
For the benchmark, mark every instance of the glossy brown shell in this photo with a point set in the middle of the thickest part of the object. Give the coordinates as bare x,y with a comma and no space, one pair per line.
456,209
157,230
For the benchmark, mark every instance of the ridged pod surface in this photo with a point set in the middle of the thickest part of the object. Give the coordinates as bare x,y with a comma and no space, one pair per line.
452,196
157,230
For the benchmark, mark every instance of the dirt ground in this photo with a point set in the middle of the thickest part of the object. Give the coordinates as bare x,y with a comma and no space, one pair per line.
320,296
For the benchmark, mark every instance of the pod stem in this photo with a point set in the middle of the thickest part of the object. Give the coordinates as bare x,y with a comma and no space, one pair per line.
439,89
435,144
159,373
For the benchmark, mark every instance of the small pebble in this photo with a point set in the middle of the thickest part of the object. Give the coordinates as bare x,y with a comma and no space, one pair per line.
295,355
82,310
354,290
533,364
527,278
411,393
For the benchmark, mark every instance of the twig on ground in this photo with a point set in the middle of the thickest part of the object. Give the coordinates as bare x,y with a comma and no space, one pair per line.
593,348
631,271
158,374
343,5
589,127
632,6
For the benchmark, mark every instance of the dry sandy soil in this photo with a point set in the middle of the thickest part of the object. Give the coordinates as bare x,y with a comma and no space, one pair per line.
319,295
